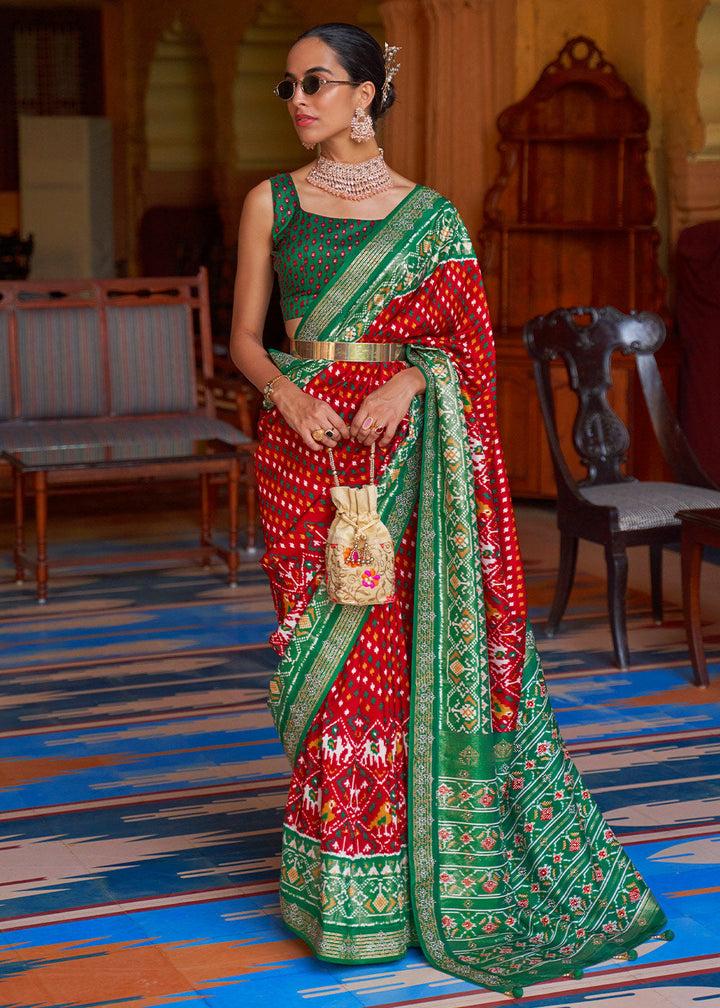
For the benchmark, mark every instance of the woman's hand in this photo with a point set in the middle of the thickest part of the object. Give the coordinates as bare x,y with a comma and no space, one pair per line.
381,412
314,420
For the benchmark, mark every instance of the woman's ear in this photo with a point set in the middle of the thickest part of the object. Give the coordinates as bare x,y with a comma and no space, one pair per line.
366,93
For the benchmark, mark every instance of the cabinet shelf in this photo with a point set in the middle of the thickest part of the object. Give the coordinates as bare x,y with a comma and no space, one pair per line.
568,221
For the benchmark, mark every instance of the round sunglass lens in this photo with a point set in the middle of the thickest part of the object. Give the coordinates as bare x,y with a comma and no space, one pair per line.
286,89
311,84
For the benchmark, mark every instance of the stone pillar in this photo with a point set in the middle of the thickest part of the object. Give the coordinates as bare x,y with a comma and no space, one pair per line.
461,95
403,133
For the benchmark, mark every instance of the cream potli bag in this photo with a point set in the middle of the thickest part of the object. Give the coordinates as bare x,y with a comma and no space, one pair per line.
359,555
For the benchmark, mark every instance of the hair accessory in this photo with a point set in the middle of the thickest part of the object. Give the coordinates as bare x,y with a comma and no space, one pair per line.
351,181
361,126
391,68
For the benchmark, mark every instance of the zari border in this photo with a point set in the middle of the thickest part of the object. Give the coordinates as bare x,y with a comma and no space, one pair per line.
326,631
359,271
480,761
428,655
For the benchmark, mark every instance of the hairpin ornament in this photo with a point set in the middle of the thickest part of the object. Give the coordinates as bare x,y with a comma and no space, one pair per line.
391,68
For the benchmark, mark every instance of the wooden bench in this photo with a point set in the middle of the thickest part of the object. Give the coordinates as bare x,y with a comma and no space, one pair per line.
113,363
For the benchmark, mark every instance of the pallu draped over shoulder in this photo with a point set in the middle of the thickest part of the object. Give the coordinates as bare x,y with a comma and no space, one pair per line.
433,800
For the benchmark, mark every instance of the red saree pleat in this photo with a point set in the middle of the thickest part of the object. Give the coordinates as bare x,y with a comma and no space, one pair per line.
349,782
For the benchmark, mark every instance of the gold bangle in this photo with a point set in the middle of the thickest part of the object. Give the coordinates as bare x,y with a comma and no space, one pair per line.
267,391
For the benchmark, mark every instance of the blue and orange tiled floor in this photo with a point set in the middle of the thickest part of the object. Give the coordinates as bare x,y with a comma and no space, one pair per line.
142,788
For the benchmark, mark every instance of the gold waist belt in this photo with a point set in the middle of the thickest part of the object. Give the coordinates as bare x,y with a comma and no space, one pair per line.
327,350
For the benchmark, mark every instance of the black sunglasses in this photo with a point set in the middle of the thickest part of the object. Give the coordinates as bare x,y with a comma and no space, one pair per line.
310,85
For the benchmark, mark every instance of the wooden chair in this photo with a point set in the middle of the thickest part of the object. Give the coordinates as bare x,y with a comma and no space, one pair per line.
608,506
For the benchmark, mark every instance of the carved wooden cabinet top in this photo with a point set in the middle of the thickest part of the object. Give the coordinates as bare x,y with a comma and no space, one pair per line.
569,218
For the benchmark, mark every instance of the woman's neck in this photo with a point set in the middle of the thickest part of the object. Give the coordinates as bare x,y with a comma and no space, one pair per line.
348,152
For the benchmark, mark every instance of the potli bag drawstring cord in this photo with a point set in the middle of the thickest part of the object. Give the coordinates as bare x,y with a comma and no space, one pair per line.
334,469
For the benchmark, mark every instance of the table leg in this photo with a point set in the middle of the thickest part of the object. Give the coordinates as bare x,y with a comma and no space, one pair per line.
248,476
19,494
205,520
41,514
233,504
691,554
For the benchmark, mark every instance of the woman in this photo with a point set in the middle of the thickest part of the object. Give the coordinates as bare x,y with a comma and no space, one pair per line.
432,800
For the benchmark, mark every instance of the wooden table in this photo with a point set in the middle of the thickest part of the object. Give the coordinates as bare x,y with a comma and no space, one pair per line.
34,470
698,528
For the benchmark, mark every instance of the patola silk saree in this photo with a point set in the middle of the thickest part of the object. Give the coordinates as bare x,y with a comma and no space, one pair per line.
433,801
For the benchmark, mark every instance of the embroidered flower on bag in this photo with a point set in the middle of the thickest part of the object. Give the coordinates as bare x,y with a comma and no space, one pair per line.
370,578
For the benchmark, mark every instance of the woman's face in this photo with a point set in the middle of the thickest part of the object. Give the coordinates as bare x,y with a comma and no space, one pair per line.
328,112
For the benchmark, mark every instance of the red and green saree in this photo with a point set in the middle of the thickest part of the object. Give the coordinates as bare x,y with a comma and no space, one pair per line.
432,799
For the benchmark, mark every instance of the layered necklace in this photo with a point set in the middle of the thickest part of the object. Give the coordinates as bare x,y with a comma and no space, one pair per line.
351,181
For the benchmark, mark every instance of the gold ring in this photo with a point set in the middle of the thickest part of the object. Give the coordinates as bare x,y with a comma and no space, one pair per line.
330,433
379,430
318,435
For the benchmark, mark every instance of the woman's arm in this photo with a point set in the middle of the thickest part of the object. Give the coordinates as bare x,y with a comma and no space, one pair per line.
253,286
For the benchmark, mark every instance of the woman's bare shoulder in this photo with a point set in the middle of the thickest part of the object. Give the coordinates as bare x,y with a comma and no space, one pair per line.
259,197
257,209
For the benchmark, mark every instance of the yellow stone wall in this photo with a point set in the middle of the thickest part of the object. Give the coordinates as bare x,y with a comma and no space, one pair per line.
463,61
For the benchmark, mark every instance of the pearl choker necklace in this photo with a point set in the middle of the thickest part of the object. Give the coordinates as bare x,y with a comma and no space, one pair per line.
351,181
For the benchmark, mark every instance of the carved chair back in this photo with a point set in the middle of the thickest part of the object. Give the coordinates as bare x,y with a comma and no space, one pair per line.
585,339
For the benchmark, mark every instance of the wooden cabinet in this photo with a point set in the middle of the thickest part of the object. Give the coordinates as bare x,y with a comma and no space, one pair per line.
568,221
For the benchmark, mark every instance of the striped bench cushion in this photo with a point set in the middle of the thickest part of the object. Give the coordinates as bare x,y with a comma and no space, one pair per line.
60,364
152,360
5,403
155,435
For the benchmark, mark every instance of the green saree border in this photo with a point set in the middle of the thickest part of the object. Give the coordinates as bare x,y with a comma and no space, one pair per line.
458,845
373,276
351,291
326,632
